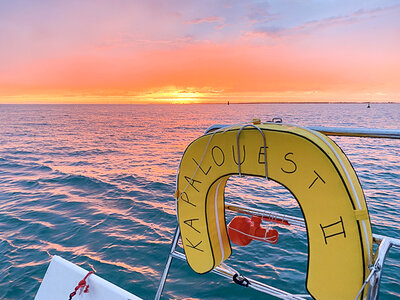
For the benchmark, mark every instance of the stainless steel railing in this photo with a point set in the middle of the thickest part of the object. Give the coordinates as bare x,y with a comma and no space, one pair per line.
384,243
341,131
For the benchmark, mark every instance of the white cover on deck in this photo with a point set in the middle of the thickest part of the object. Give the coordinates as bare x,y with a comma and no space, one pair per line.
62,277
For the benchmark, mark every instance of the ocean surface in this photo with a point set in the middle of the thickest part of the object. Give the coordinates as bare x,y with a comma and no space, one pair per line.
95,184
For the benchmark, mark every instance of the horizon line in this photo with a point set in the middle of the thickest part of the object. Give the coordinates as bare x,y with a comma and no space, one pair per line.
213,103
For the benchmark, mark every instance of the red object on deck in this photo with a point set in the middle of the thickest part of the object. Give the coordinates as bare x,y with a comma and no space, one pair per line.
81,285
242,230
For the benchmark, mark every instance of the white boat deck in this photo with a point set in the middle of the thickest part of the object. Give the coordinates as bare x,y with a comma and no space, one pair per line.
62,277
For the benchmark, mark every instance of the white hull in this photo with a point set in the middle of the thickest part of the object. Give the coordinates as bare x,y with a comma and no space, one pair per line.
62,277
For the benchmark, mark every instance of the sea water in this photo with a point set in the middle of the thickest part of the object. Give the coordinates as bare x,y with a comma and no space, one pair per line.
95,184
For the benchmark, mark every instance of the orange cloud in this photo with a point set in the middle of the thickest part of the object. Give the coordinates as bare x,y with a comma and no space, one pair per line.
233,68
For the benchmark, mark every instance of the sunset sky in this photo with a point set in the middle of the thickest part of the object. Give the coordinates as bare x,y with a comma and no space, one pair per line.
127,51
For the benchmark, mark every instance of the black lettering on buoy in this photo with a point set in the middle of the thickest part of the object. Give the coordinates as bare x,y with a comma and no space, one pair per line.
185,198
294,166
318,177
190,224
261,155
333,229
201,169
235,156
193,245
192,181
215,156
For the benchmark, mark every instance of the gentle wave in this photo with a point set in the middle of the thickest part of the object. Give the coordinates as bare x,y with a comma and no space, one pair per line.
95,184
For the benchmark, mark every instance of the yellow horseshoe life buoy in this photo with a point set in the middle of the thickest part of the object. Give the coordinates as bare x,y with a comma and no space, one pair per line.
312,167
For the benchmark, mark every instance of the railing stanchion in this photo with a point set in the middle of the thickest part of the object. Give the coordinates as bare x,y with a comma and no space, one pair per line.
168,264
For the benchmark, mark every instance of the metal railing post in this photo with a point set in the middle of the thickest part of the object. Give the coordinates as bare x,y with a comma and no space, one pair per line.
168,264
379,260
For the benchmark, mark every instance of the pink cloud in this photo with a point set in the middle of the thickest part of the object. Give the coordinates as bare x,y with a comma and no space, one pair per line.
205,20
355,17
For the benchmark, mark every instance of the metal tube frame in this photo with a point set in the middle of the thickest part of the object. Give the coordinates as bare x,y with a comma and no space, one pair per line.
264,143
168,264
340,131
384,243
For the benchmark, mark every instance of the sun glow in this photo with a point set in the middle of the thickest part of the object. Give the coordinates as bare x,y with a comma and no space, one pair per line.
183,97
175,95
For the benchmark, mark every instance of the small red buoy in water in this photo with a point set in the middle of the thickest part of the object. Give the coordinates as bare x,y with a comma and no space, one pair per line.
242,230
